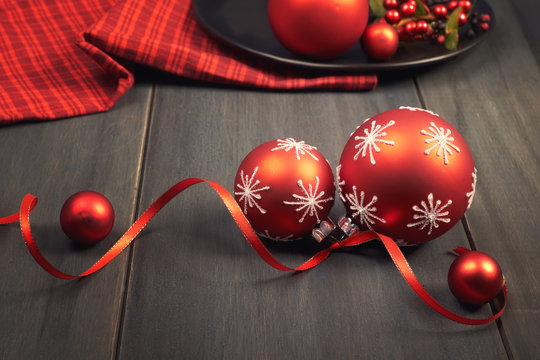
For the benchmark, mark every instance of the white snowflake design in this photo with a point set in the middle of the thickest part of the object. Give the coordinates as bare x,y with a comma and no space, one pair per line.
369,142
418,109
310,201
249,191
442,141
470,194
300,147
339,182
267,235
430,215
364,213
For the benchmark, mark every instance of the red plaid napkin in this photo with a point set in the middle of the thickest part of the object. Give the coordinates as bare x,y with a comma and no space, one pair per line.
48,70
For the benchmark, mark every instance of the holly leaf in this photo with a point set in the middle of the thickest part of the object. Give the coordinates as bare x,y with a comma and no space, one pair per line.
420,8
451,41
452,24
451,38
377,8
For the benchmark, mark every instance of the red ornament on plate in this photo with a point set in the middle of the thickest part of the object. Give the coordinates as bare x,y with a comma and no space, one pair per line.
320,29
285,188
87,217
380,41
408,174
475,278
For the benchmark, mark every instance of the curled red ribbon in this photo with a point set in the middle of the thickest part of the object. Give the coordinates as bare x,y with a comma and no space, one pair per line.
30,201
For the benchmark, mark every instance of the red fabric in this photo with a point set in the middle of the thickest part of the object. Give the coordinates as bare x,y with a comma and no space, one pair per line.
61,58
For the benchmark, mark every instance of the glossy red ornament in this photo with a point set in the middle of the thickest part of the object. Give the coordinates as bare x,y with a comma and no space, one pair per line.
380,41
285,188
408,8
320,29
408,174
475,278
440,11
87,217
392,16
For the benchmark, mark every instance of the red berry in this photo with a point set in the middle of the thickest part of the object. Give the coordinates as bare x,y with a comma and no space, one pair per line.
410,28
390,4
422,27
440,39
462,20
484,26
485,18
439,11
465,5
392,16
407,9
452,5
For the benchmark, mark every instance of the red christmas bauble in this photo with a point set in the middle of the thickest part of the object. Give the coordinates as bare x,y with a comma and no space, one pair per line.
285,188
320,29
408,174
87,217
475,278
380,41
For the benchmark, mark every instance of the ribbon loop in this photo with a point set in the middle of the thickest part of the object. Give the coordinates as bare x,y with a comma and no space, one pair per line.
347,235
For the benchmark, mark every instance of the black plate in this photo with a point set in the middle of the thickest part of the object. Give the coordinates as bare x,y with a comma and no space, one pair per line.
244,23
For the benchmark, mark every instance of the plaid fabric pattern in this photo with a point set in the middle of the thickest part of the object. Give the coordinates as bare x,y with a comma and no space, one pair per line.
60,58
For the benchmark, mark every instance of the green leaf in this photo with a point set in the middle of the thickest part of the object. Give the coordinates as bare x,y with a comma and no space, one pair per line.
420,9
377,8
452,24
451,41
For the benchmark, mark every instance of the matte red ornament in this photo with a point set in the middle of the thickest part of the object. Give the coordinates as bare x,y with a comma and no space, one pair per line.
320,29
408,174
380,41
285,188
87,217
475,278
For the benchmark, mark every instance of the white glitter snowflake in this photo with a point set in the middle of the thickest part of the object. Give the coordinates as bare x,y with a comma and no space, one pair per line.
309,201
267,235
300,147
442,141
249,191
430,214
370,140
339,182
418,109
364,213
470,194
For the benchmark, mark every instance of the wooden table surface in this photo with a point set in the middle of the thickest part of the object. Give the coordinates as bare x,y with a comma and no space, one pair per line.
191,287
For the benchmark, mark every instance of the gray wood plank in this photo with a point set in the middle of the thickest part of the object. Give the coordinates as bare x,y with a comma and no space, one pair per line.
45,317
492,97
198,291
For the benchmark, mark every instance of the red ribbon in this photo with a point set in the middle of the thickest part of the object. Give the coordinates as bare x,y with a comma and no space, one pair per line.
30,201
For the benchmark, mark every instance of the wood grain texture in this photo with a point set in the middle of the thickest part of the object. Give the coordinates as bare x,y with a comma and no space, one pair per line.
41,316
492,97
198,291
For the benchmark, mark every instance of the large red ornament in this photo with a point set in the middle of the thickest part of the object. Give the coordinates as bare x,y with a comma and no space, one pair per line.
285,188
87,217
408,174
320,29
475,278
380,41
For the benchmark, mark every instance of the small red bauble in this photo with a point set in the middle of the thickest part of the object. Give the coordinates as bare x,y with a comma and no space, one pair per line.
87,217
422,27
465,5
392,16
285,188
410,28
408,174
380,41
320,29
390,4
475,278
453,5
440,11
462,19
408,8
